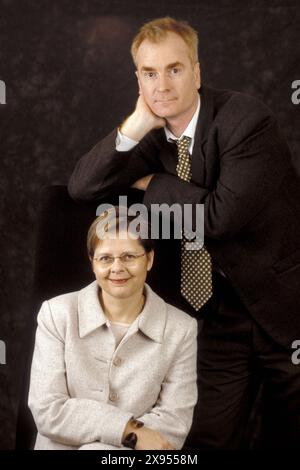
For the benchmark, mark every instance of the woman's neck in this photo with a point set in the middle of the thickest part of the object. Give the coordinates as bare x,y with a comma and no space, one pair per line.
122,310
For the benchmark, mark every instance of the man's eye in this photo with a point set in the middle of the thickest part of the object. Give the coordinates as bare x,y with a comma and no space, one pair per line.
174,71
150,74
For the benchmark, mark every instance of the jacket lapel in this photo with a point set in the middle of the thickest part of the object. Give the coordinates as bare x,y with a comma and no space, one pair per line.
199,167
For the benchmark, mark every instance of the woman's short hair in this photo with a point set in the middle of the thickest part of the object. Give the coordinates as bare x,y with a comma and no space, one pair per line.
156,30
113,221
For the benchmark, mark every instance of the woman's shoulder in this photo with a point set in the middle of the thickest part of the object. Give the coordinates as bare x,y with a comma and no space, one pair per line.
175,317
63,307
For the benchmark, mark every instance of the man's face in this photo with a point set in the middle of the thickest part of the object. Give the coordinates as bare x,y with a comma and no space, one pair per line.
167,79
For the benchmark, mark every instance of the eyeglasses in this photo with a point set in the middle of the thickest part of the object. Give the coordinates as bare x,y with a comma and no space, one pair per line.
126,259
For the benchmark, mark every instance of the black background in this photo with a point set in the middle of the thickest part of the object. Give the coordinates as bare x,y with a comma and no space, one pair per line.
70,79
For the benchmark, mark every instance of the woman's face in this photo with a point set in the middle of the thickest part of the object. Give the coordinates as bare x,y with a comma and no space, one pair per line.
121,278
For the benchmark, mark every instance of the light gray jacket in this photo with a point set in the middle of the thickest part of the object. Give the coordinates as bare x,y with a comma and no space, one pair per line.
84,390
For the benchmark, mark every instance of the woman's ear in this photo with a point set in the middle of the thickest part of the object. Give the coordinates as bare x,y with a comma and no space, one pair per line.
92,263
150,259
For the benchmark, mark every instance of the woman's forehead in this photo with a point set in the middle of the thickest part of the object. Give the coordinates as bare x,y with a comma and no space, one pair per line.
122,241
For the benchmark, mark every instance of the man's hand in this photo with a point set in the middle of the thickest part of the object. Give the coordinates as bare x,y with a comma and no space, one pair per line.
143,182
141,121
148,439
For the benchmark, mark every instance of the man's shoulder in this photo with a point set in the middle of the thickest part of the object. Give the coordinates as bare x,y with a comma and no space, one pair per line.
227,102
233,115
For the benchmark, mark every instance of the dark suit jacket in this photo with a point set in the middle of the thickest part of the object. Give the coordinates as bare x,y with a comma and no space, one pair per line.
242,173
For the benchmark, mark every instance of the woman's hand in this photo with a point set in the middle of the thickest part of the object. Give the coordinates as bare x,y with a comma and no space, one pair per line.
147,438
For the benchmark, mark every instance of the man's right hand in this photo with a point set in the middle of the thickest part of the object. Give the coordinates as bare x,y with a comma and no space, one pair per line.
141,121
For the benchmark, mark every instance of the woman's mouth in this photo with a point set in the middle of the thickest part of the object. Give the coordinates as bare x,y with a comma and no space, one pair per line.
118,282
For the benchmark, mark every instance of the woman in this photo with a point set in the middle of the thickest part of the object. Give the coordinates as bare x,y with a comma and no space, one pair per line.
114,366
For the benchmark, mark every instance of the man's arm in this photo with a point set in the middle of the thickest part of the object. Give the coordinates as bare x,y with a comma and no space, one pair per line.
104,170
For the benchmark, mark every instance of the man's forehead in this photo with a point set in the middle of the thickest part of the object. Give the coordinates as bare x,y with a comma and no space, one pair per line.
172,48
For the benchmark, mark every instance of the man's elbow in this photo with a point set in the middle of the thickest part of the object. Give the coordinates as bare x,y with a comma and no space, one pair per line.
79,192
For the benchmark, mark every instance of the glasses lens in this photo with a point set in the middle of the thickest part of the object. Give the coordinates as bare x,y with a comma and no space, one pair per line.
105,260
128,258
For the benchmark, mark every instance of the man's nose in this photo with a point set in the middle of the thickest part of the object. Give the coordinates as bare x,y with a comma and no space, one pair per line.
163,82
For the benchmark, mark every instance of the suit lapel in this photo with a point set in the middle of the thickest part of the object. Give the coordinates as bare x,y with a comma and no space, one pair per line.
199,168
167,153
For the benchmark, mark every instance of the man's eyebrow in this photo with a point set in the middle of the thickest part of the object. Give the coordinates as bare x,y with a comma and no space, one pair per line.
169,66
174,64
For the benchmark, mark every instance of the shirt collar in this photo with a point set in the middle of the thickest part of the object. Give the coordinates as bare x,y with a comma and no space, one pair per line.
189,131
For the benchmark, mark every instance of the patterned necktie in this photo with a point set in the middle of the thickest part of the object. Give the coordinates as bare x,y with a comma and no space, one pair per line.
196,277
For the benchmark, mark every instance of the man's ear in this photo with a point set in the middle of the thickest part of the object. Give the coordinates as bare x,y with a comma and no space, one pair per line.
137,76
197,75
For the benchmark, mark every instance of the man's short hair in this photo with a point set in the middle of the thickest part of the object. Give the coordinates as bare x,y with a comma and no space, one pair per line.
156,30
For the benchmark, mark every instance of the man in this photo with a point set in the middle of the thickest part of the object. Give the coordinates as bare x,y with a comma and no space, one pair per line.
239,167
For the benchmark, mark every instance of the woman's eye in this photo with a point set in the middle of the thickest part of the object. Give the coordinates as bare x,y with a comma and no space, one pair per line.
174,71
128,257
104,259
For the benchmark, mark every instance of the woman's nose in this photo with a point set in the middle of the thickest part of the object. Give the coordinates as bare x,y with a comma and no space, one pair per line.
117,265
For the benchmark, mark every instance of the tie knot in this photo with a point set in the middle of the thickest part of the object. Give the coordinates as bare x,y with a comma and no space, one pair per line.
183,143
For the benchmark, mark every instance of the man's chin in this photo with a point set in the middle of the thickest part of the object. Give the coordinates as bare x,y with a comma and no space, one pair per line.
164,110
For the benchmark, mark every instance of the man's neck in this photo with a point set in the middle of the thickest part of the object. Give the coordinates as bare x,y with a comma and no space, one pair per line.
179,123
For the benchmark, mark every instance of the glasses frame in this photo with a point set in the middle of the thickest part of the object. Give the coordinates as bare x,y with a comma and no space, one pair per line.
120,258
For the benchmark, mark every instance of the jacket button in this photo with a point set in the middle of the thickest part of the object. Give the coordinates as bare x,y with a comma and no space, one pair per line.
113,396
117,361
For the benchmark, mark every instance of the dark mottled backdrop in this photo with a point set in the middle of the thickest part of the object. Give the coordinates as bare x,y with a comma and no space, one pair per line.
69,80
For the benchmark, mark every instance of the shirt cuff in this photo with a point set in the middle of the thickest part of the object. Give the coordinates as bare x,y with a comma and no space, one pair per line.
124,143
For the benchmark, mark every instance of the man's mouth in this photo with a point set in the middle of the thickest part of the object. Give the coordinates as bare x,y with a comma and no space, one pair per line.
165,101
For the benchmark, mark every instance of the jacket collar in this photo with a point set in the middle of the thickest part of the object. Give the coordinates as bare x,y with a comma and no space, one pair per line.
151,321
90,313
